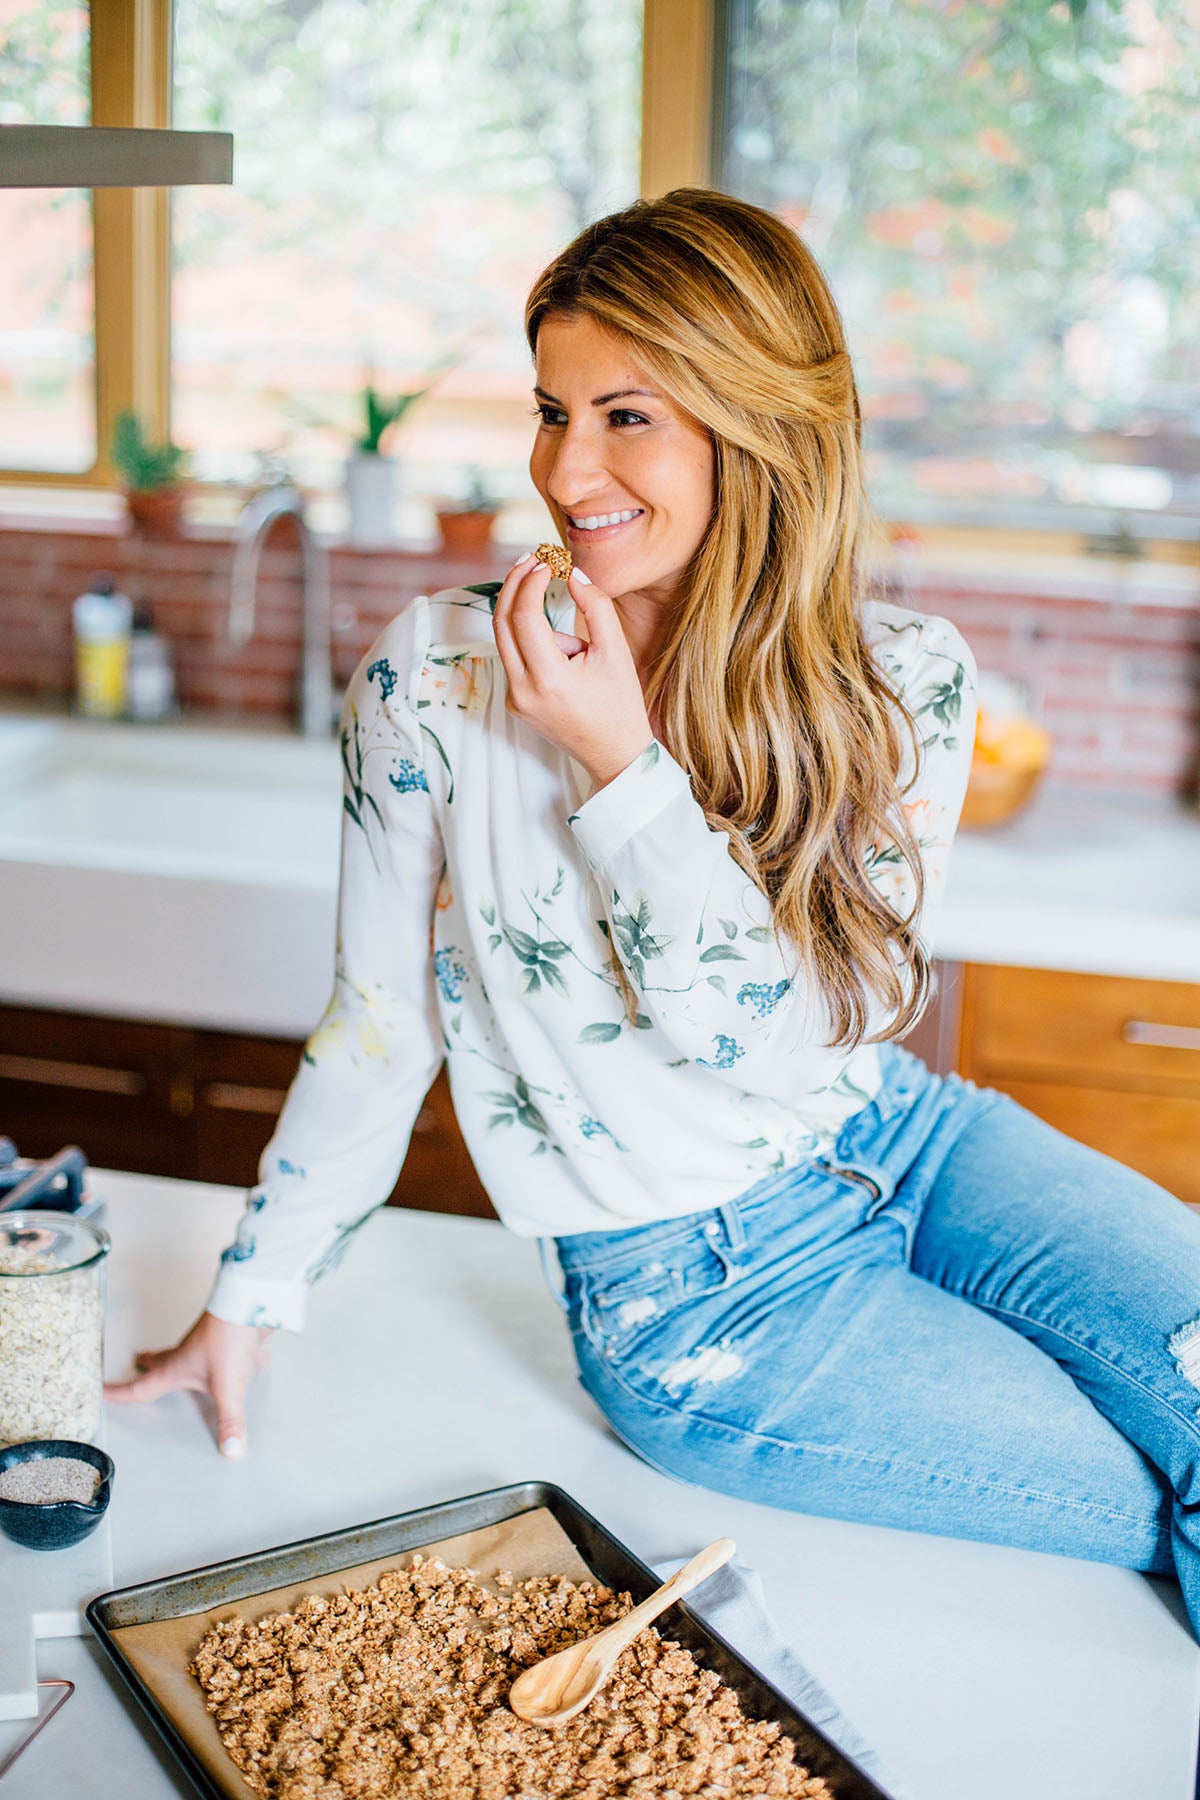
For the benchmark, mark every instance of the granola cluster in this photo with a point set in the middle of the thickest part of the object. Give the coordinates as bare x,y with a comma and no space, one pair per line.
401,1688
557,560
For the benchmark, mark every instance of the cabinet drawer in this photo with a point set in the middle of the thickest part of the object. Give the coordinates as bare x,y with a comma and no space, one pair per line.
1101,1029
1157,1134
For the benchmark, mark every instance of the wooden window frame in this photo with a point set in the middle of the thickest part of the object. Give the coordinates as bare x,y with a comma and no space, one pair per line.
130,57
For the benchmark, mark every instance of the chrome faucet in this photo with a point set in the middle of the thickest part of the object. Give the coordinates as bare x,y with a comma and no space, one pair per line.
257,517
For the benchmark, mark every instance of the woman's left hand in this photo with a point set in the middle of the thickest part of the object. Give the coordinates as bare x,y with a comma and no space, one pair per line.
583,696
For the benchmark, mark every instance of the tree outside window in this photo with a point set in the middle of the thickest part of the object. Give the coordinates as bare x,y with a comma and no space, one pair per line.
1005,195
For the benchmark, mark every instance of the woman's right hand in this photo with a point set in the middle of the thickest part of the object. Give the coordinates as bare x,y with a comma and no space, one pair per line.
215,1358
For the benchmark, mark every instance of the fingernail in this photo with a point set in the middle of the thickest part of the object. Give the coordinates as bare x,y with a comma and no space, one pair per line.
232,1446
528,557
583,578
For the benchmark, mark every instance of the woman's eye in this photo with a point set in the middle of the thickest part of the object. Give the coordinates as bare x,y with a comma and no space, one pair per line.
550,415
622,416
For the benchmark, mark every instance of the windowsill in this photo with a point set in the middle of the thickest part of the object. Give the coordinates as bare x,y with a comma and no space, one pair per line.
212,515
915,565
1133,581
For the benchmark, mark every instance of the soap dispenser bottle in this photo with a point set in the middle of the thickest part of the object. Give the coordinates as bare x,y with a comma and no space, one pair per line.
103,620
150,688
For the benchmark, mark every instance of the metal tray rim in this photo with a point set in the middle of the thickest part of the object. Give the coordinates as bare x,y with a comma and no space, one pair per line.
530,1495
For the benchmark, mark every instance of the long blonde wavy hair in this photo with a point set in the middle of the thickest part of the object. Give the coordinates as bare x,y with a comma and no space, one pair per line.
768,694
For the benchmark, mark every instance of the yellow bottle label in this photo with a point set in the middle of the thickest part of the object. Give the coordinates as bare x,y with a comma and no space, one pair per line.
100,671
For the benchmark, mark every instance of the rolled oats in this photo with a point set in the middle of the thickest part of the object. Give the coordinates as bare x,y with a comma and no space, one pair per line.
50,1349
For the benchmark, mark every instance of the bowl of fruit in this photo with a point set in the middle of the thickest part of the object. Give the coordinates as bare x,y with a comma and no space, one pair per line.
1010,756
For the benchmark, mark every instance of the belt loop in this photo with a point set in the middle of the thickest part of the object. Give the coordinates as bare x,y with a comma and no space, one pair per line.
557,1288
735,1230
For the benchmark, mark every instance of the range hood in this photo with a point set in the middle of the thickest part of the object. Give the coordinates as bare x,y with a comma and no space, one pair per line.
99,156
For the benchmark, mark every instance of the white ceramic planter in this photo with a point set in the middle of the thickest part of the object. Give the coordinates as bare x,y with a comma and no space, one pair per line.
372,497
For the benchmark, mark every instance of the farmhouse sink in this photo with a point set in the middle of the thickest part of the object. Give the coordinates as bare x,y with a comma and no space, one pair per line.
170,872
178,799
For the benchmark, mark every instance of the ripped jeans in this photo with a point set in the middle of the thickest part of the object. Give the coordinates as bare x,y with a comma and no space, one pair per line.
963,1322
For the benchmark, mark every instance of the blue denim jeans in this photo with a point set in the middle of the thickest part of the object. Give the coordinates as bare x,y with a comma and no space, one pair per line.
962,1322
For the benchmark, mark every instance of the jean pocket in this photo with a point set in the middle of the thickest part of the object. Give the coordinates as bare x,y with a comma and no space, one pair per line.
616,1314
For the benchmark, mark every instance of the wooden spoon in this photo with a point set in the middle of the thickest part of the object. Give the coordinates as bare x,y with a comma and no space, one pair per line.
561,1685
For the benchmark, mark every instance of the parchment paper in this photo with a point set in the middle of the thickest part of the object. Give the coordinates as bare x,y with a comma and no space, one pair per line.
531,1544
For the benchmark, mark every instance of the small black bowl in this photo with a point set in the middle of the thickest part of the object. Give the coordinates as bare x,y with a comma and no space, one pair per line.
52,1525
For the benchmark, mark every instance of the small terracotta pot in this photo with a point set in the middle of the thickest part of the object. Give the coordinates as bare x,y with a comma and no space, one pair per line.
465,533
156,512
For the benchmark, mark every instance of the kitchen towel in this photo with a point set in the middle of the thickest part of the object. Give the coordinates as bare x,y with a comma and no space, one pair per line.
732,1602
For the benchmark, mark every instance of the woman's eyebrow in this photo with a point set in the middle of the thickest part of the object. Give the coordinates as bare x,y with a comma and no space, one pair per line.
601,399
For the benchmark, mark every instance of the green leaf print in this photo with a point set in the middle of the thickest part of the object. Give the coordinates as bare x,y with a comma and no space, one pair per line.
600,1033
846,1089
436,742
642,1023
761,934
355,801
488,914
636,940
717,981
648,758
517,1108
880,856
728,927
721,953
334,1252
946,699
539,959
495,941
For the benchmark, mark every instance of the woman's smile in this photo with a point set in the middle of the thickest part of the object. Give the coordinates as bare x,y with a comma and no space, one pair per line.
601,527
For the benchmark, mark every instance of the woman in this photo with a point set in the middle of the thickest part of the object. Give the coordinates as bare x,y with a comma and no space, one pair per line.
652,859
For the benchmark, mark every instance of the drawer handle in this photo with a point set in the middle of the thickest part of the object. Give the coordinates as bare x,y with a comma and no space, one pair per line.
1163,1037
49,1071
236,1096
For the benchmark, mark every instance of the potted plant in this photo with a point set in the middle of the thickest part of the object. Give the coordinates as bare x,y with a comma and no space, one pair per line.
466,529
372,478
150,475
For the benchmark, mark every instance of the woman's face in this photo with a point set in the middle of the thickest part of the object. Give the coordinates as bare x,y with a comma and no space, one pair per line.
628,476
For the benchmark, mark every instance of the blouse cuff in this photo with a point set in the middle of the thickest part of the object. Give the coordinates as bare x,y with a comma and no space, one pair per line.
250,1300
630,802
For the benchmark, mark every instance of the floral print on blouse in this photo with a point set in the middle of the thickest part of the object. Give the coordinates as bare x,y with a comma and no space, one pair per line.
487,897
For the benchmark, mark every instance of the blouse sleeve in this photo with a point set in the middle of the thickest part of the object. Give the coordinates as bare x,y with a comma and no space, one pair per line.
694,933
345,1125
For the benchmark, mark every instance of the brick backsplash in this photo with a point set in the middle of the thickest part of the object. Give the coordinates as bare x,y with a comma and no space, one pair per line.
1116,683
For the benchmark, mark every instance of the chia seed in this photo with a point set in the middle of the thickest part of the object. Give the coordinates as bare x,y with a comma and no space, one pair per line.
48,1479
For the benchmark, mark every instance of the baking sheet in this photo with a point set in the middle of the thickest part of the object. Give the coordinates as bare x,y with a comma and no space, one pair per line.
152,1631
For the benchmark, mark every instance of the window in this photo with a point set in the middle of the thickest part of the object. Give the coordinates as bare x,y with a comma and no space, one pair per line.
402,170
47,305
1005,196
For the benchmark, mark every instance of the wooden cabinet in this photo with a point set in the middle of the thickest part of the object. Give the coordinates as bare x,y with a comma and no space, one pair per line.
166,1100
1112,1061
118,1088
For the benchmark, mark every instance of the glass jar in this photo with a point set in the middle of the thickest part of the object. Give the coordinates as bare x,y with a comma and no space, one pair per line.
51,1326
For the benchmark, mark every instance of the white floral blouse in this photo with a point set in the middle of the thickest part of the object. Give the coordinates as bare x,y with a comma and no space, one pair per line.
485,895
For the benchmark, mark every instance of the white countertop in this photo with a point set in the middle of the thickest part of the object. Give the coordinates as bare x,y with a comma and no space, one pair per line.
436,1365
189,874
